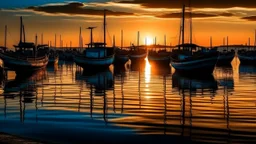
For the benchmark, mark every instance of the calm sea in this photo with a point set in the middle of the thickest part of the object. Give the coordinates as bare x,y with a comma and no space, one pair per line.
131,104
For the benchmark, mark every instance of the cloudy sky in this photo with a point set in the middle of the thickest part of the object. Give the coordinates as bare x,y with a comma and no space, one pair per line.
153,18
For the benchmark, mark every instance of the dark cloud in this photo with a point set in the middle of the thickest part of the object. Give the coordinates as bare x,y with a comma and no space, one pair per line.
194,15
75,8
194,3
250,18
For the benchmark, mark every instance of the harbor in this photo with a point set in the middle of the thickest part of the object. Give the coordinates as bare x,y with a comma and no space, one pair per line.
126,86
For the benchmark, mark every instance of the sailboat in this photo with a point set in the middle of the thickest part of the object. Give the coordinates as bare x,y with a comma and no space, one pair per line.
121,54
97,55
190,58
226,56
137,52
159,57
26,57
248,56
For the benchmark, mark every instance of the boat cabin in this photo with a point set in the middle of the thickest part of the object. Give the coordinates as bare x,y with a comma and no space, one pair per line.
96,50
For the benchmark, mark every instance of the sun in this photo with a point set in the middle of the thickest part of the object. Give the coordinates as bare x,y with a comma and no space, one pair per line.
149,40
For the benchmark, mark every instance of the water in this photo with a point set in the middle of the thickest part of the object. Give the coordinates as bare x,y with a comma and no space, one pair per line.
131,104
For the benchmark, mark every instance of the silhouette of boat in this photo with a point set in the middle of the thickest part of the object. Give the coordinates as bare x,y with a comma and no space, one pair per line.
137,53
97,55
225,57
27,56
53,57
161,57
247,57
191,58
121,56
247,69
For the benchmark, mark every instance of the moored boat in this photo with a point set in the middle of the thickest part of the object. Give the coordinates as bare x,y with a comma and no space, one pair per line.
225,57
26,57
53,58
121,56
137,53
247,57
97,55
161,57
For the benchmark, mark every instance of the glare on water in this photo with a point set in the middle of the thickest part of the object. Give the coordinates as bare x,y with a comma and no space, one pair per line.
135,99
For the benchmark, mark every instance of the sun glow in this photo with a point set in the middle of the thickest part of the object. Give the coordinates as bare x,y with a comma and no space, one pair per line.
148,40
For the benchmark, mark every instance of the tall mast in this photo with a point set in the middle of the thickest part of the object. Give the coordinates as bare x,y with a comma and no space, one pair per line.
42,38
138,38
21,27
91,28
5,36
227,43
24,34
114,41
104,25
60,41
190,20
80,40
183,24
36,39
122,39
211,42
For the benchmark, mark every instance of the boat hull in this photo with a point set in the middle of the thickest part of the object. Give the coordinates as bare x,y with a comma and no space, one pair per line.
138,56
121,59
200,66
225,59
21,65
163,61
100,63
251,60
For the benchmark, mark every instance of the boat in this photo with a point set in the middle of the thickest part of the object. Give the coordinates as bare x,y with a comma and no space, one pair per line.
121,56
97,55
193,59
247,57
226,57
138,52
27,57
160,57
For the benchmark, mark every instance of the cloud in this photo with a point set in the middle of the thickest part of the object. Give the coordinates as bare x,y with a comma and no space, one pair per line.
76,8
194,15
194,3
250,18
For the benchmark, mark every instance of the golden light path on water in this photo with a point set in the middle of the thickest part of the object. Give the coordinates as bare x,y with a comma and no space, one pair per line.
144,98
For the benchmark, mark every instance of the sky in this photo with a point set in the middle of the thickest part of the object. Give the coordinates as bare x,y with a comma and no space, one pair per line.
218,19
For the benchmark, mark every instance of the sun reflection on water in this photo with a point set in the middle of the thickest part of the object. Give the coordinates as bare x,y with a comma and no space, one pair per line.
147,78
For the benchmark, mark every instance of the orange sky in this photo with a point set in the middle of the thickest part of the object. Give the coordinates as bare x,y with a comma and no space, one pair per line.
145,20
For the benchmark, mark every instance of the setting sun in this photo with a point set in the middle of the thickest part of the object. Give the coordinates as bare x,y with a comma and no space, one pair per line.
149,40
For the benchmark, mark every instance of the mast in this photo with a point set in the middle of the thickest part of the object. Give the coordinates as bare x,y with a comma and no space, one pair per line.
5,36
80,40
190,21
114,41
42,38
91,28
138,38
60,41
165,42
104,25
36,39
249,43
211,42
254,39
24,35
55,41
21,27
227,43
122,39
183,24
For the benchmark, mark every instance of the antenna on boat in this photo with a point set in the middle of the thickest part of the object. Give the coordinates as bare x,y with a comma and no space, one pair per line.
5,36
104,25
91,28
121,39
138,38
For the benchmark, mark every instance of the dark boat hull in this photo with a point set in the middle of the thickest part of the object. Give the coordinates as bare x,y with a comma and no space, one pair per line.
22,65
134,57
225,59
95,63
198,66
121,59
163,61
250,60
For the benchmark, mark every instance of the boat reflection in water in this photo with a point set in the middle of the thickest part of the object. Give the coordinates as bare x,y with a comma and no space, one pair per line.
224,76
247,69
194,83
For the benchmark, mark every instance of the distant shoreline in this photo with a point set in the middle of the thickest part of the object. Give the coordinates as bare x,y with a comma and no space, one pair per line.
8,138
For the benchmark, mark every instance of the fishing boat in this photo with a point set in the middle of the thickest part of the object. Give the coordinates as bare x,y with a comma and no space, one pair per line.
138,52
26,57
247,57
161,57
226,57
97,55
193,59
121,54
